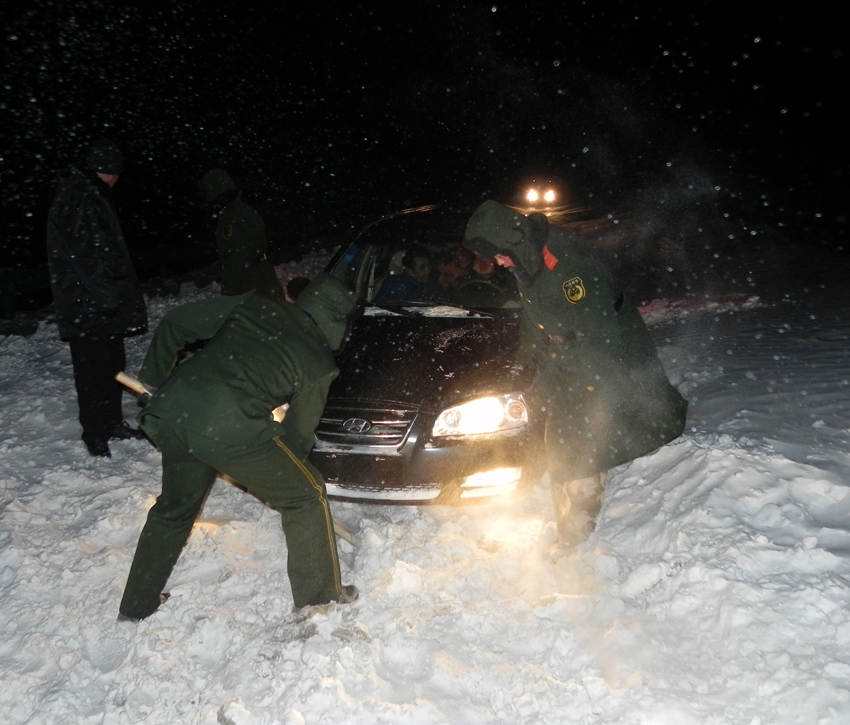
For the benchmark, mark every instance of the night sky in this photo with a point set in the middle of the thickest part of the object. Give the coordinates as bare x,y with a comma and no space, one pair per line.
326,117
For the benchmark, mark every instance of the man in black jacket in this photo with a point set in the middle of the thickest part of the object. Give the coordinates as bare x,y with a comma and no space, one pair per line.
95,292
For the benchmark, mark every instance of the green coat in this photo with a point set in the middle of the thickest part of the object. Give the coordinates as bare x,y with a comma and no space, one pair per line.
263,352
213,413
240,239
606,397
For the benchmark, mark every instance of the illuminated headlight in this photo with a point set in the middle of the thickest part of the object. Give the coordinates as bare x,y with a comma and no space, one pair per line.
536,195
491,483
493,414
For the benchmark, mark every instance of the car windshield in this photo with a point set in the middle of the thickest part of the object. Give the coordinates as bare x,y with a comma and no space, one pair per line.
415,260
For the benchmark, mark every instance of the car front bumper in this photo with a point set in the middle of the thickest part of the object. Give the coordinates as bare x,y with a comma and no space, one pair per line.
450,472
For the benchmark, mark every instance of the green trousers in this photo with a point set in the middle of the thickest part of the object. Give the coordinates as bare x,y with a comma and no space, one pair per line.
273,472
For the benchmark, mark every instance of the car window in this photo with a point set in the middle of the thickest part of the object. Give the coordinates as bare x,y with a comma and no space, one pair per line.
345,269
374,266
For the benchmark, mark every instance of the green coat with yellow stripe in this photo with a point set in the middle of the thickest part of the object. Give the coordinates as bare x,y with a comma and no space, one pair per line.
606,397
213,413
263,353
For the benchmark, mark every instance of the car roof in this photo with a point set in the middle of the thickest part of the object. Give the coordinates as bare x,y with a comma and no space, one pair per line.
429,226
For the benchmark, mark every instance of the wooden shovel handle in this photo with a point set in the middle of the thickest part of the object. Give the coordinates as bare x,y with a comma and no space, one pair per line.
131,383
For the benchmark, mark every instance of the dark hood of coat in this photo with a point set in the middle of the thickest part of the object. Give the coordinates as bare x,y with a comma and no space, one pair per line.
215,183
497,229
331,305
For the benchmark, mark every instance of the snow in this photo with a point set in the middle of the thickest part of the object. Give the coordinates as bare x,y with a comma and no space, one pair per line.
715,589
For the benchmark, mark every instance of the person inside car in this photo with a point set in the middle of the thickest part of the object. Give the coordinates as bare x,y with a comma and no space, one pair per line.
414,283
488,271
486,285
454,267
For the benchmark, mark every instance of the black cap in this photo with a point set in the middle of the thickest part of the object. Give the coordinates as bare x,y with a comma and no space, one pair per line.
484,250
105,158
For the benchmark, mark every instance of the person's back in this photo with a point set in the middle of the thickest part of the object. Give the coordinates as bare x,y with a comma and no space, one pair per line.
265,349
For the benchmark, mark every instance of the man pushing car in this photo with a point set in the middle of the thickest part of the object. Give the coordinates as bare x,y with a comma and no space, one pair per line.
601,387
214,414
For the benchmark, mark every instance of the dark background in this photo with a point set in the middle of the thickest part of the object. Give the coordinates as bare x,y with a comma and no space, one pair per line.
712,124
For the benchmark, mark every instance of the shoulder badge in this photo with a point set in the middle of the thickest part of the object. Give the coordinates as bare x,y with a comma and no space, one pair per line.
549,259
227,231
574,290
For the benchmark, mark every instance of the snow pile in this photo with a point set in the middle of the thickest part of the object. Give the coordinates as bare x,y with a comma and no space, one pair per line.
715,589
308,266
662,309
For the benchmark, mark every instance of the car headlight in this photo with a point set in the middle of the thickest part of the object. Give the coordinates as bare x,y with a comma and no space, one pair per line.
541,194
493,414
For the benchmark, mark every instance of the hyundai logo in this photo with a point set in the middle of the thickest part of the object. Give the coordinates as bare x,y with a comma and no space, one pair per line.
357,425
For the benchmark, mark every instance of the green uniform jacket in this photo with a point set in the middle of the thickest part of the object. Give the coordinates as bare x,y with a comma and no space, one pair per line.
605,394
263,353
240,239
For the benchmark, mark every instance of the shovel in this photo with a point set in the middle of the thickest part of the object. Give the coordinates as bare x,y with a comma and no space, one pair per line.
137,387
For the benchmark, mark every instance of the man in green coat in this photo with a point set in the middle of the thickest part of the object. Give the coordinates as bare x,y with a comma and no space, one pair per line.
240,239
220,412
601,386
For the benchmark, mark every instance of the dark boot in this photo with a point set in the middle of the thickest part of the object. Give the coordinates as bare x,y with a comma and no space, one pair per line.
163,598
123,432
98,448
349,595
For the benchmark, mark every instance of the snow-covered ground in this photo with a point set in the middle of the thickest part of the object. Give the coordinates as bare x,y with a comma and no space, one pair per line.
715,589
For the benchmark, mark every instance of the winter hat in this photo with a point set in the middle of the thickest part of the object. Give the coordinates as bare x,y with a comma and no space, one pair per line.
484,250
215,183
105,158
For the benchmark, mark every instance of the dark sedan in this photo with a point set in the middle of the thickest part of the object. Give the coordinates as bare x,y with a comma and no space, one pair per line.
432,404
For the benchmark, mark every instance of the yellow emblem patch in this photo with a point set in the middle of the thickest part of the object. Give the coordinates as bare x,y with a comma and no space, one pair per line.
227,231
574,290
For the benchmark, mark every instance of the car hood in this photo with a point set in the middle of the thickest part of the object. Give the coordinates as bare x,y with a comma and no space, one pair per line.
430,361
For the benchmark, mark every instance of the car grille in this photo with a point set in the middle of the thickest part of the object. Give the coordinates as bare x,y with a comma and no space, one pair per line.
412,494
364,423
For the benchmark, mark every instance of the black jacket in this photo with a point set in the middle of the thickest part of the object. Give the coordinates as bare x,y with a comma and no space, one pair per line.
95,290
